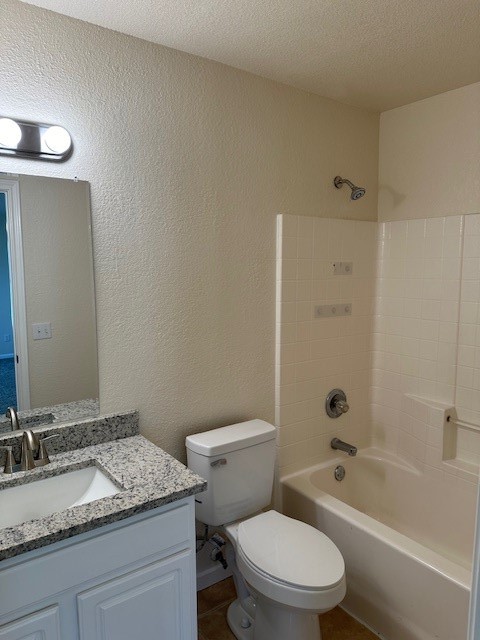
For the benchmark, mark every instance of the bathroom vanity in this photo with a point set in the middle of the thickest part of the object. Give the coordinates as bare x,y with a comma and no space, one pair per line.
115,568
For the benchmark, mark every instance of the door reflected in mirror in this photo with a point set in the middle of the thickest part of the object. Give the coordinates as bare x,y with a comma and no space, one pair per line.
48,345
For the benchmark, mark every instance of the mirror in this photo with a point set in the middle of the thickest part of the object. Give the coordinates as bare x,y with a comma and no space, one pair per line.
48,345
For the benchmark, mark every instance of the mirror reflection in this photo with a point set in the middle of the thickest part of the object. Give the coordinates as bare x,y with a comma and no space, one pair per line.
48,350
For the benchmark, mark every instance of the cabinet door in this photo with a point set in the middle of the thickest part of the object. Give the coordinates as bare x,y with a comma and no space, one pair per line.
151,603
41,625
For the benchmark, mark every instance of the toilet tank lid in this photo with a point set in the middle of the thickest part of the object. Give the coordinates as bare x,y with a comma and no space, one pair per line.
232,438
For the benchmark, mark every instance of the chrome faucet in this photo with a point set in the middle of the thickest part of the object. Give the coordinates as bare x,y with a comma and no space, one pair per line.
33,453
29,447
336,403
12,414
336,443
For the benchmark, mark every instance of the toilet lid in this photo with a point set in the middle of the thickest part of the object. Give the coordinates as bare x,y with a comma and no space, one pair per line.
291,551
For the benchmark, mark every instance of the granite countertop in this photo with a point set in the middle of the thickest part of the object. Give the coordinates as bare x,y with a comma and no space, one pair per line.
58,413
147,476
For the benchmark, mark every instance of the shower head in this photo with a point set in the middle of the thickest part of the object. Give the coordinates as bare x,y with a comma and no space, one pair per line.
357,192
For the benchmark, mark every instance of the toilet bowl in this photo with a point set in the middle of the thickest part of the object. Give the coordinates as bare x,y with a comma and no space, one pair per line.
294,573
286,572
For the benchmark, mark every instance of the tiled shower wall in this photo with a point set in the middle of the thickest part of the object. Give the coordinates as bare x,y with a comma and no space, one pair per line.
416,327
467,399
426,339
410,350
316,355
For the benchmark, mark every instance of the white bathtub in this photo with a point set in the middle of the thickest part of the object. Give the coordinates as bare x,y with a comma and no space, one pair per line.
407,540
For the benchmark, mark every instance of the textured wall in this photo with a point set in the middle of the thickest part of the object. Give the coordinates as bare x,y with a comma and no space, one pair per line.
57,253
430,157
189,161
368,54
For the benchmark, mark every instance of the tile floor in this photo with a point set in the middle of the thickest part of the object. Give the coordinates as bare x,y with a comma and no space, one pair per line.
212,623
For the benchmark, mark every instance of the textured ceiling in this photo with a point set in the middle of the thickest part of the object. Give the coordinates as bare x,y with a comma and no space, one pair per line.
376,54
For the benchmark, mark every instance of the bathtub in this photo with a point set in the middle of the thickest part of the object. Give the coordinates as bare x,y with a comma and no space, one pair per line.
407,540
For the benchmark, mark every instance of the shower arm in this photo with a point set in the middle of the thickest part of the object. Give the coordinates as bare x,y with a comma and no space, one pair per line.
338,183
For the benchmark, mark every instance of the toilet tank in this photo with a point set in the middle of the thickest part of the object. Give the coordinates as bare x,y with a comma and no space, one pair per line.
238,464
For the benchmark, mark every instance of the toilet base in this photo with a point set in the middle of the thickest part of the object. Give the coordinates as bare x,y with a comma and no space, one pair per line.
272,622
236,616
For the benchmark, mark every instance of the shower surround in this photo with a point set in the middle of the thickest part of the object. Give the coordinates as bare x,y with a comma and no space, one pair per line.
427,343
314,356
408,358
410,346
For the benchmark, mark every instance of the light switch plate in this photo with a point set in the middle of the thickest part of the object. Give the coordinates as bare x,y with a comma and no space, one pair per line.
42,330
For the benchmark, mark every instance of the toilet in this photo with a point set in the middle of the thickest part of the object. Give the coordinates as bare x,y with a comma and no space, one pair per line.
285,571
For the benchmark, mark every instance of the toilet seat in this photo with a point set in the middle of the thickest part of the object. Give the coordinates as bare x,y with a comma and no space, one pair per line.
291,551
290,562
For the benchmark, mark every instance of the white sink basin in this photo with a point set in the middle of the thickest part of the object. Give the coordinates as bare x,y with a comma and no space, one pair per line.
43,497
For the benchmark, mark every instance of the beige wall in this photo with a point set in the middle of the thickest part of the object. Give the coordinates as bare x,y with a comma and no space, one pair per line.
59,289
189,161
430,157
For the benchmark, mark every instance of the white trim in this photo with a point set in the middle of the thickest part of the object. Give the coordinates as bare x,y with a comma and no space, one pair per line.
474,614
17,284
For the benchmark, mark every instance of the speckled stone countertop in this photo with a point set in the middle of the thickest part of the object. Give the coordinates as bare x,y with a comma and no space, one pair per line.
146,476
76,435
59,413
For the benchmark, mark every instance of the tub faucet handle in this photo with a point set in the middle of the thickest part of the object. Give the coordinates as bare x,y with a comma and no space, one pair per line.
342,406
336,403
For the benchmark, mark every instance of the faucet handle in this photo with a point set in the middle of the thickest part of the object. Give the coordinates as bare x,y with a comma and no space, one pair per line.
342,406
336,403
43,457
9,459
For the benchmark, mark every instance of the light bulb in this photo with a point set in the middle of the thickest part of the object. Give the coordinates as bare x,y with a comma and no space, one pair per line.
10,133
57,139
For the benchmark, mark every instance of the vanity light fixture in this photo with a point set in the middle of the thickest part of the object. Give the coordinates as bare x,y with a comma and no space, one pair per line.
57,139
34,140
10,133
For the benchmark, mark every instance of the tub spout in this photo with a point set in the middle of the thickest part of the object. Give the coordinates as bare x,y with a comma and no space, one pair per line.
336,443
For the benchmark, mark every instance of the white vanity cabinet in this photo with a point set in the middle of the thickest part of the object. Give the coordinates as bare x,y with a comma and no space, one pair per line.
134,579
40,625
